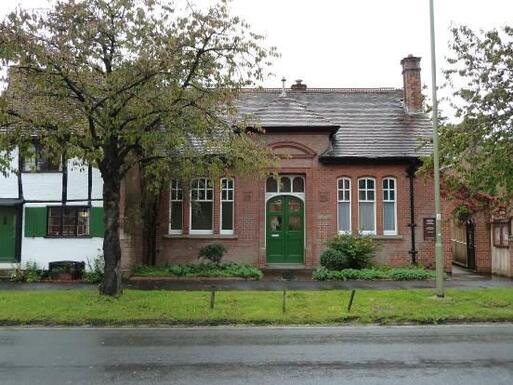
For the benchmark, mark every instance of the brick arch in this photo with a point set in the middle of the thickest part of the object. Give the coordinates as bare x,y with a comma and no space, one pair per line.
297,150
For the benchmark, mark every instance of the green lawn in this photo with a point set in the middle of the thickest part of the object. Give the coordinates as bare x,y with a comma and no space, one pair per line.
244,307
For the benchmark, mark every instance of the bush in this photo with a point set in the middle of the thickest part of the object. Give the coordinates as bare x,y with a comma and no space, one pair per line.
406,274
94,273
396,274
357,249
332,259
199,270
30,273
213,252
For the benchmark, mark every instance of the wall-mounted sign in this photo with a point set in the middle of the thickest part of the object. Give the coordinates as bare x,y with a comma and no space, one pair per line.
429,229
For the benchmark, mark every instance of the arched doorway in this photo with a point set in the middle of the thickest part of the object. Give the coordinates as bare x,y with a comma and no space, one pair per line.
285,229
463,248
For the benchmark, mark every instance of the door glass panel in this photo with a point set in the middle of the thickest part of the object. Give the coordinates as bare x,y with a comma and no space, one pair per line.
294,206
276,205
295,222
275,223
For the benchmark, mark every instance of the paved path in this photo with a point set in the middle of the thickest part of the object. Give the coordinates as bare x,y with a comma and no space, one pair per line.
469,355
458,281
482,282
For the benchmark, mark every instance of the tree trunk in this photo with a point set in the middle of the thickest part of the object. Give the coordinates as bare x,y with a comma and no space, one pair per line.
111,284
150,212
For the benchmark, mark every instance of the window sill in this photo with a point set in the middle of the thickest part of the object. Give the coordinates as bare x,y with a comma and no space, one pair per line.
387,237
66,237
200,236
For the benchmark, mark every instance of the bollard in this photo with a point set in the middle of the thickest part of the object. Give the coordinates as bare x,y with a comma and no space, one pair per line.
351,300
212,298
284,305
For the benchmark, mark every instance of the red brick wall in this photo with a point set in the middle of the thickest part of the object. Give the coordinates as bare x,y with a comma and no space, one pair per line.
482,242
130,232
412,84
248,243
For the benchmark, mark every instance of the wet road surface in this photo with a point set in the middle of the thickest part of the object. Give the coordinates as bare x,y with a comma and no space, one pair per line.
478,354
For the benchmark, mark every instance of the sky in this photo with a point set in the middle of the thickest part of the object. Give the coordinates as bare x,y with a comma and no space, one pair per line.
355,43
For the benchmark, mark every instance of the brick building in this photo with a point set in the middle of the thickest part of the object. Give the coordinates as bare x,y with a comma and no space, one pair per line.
348,163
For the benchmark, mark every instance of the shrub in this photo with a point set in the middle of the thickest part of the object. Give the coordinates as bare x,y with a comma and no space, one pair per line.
405,274
396,274
358,249
213,252
94,273
199,270
31,272
333,259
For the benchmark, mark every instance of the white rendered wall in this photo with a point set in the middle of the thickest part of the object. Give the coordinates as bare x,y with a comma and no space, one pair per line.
48,186
9,183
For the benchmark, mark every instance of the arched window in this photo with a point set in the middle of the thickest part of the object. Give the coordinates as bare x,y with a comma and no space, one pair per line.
298,184
227,205
175,207
285,184
389,206
202,207
271,185
367,205
344,205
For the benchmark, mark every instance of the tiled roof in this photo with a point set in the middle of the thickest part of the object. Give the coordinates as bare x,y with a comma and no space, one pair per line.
372,122
287,112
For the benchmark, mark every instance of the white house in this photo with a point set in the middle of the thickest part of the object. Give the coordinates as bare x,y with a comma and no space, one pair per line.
51,211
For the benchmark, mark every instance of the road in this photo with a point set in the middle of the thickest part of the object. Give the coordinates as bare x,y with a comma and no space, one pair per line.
479,354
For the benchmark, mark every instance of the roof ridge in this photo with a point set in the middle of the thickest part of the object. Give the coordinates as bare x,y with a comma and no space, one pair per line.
341,90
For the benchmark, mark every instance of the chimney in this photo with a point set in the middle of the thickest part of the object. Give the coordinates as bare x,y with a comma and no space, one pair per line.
412,85
298,86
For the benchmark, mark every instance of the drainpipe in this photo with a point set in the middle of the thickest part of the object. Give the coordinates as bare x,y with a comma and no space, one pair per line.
410,172
89,184
64,197
19,209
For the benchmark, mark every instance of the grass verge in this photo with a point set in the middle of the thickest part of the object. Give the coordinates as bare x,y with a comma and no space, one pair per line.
245,307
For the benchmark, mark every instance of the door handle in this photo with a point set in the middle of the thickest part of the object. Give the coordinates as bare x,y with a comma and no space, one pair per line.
275,235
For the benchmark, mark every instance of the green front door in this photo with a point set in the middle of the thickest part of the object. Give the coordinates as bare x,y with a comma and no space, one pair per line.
285,230
7,234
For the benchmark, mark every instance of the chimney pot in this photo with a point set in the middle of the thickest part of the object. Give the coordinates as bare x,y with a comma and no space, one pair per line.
412,85
299,86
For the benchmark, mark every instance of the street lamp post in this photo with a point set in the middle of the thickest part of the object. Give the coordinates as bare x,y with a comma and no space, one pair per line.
439,259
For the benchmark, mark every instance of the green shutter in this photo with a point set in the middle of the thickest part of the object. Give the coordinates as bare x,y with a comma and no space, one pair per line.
35,221
97,227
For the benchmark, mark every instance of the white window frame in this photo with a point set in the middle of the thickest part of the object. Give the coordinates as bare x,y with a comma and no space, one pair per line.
205,189
174,192
291,178
367,232
221,200
343,189
394,201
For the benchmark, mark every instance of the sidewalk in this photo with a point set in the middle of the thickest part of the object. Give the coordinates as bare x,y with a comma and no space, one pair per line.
456,281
